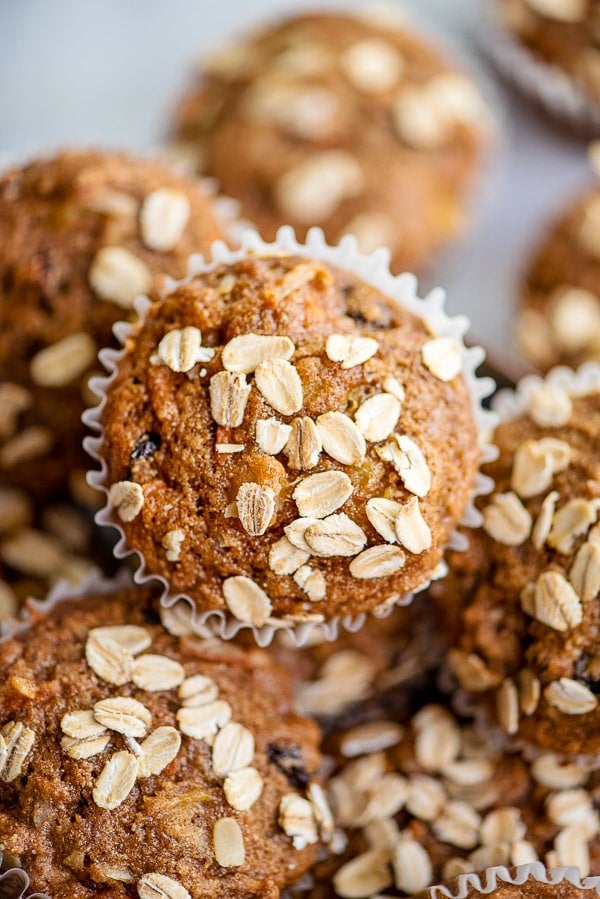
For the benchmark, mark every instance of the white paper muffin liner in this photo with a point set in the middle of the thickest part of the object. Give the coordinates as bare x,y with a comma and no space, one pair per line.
491,879
14,882
374,270
548,85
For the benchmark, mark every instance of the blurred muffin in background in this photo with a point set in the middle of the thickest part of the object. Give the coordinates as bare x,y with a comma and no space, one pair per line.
81,235
559,316
352,124
562,33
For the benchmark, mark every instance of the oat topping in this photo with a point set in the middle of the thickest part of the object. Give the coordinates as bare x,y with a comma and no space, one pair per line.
336,535
229,394
255,507
245,353
172,543
228,843
585,572
279,383
350,351
319,495
535,464
373,66
412,531
246,600
341,438
570,697
63,362
285,558
377,561
507,520
164,214
311,581
550,406
159,886
243,788
297,820
116,780
304,444
14,400
378,416
118,276
443,358
181,349
155,673
312,190
16,742
272,435
410,463
561,10
127,498
572,521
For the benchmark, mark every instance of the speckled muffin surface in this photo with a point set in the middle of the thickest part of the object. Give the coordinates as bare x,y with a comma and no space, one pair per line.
522,605
353,125
562,33
81,234
559,317
135,762
420,802
282,440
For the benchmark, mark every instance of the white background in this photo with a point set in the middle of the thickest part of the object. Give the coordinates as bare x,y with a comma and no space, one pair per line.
83,72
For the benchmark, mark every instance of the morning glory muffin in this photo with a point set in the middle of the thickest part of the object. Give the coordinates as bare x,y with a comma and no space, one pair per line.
560,33
135,763
81,234
341,121
420,802
283,443
521,605
559,313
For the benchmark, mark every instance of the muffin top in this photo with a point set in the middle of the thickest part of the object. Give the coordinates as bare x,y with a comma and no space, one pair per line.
559,319
340,121
134,761
418,805
522,605
81,234
283,441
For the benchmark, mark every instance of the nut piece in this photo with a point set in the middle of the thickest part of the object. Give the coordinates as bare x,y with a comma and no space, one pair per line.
319,495
412,530
336,535
442,357
506,519
63,362
118,276
243,788
297,820
382,513
550,406
164,214
156,673
246,352
158,750
341,438
312,190
159,886
373,66
279,383
585,572
16,742
228,843
181,349
285,558
232,750
255,507
202,722
570,697
377,417
229,394
553,602
304,446
410,463
377,561
272,435
350,351
124,715
246,600
127,498
116,780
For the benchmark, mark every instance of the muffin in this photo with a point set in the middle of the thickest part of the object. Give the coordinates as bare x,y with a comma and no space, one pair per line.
140,764
521,605
284,443
342,122
560,33
559,315
377,670
81,234
419,804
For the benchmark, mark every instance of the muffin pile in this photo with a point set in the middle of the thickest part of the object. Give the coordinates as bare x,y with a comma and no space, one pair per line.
358,655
